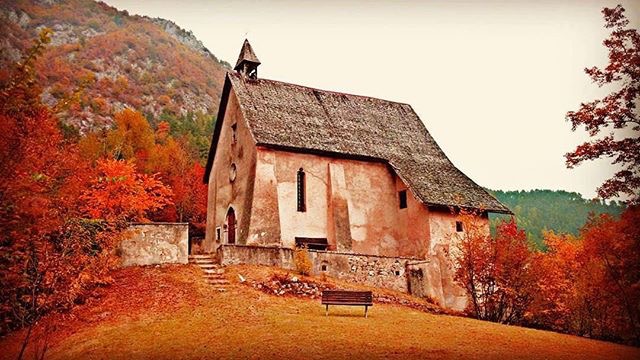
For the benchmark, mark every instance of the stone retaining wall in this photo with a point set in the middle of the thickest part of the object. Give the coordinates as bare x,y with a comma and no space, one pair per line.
155,243
256,255
379,271
428,278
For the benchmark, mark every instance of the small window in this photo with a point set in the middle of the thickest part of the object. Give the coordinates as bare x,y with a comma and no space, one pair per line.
403,199
459,227
233,172
218,234
397,272
302,205
324,267
234,133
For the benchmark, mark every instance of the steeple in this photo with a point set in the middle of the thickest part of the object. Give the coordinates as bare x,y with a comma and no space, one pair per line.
248,62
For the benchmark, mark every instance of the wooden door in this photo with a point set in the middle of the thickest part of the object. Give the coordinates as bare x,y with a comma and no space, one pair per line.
231,226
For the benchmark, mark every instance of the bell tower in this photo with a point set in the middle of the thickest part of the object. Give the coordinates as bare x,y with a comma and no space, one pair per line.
248,62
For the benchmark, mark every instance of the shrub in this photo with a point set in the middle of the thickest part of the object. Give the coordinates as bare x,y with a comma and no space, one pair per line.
302,261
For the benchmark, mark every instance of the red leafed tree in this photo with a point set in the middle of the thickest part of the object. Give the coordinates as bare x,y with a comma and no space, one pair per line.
495,271
50,258
612,251
590,285
120,193
616,115
560,295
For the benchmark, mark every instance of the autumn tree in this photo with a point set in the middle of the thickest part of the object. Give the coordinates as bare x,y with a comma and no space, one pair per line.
159,153
50,258
131,137
495,271
590,285
616,115
612,251
120,193
560,295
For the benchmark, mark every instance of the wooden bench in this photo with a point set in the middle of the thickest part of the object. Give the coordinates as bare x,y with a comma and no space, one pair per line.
345,297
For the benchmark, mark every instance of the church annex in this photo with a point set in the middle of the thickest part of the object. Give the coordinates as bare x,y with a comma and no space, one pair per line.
358,180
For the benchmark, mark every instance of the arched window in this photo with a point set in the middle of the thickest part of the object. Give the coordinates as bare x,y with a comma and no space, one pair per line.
302,205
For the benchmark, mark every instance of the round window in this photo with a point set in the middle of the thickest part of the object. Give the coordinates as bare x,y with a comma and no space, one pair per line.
232,172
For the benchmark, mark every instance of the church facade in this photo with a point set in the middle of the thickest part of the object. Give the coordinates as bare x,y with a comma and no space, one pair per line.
293,166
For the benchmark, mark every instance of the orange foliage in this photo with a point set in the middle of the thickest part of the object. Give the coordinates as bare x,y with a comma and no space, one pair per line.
558,282
119,193
50,258
132,135
157,153
495,271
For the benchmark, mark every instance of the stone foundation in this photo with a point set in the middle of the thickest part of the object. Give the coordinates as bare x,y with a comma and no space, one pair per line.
155,243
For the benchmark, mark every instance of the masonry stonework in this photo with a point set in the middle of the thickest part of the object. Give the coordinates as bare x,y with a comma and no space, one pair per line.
430,278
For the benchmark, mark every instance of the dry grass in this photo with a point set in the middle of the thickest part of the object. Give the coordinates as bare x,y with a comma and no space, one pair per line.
169,312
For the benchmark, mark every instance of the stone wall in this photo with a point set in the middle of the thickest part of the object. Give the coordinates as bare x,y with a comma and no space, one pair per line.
379,271
155,243
428,278
256,255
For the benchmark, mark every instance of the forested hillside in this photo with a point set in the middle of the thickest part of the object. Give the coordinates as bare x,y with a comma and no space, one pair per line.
560,211
101,60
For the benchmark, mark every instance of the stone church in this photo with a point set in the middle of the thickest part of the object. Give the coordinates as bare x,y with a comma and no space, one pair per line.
357,180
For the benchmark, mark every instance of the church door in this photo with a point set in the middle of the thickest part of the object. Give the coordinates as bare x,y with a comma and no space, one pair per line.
231,226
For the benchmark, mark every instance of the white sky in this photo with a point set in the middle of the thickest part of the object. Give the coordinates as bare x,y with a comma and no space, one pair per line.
492,80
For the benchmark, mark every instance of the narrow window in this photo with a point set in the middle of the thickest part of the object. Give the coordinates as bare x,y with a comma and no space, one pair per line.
234,133
302,205
218,234
324,267
233,172
403,199
459,227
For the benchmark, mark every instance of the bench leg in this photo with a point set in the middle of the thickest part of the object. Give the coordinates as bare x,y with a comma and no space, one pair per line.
326,311
365,311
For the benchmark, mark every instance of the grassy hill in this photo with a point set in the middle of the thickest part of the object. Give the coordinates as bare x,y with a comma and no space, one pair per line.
168,312
560,211
115,59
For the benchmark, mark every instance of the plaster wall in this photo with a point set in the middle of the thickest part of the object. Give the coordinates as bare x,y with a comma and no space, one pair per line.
155,243
442,225
352,203
225,193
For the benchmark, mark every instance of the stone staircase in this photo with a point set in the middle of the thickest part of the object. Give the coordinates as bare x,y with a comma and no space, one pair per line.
213,273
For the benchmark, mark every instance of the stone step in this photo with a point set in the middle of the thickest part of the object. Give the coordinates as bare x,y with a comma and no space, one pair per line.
201,256
214,276
213,271
209,266
208,258
217,281
204,262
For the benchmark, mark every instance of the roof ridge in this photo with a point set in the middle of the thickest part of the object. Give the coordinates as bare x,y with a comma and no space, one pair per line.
318,89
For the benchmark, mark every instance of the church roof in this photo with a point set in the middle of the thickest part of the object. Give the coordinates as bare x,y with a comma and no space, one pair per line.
304,119
246,54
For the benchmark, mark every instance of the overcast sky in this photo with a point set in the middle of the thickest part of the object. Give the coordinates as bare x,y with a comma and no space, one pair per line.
491,80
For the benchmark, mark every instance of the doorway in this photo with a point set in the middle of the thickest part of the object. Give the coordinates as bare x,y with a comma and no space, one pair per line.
231,226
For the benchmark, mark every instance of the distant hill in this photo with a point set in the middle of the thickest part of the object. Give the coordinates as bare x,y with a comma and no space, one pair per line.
151,65
560,211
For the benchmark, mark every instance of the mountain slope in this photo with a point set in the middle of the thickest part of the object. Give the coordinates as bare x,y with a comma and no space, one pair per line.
119,60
